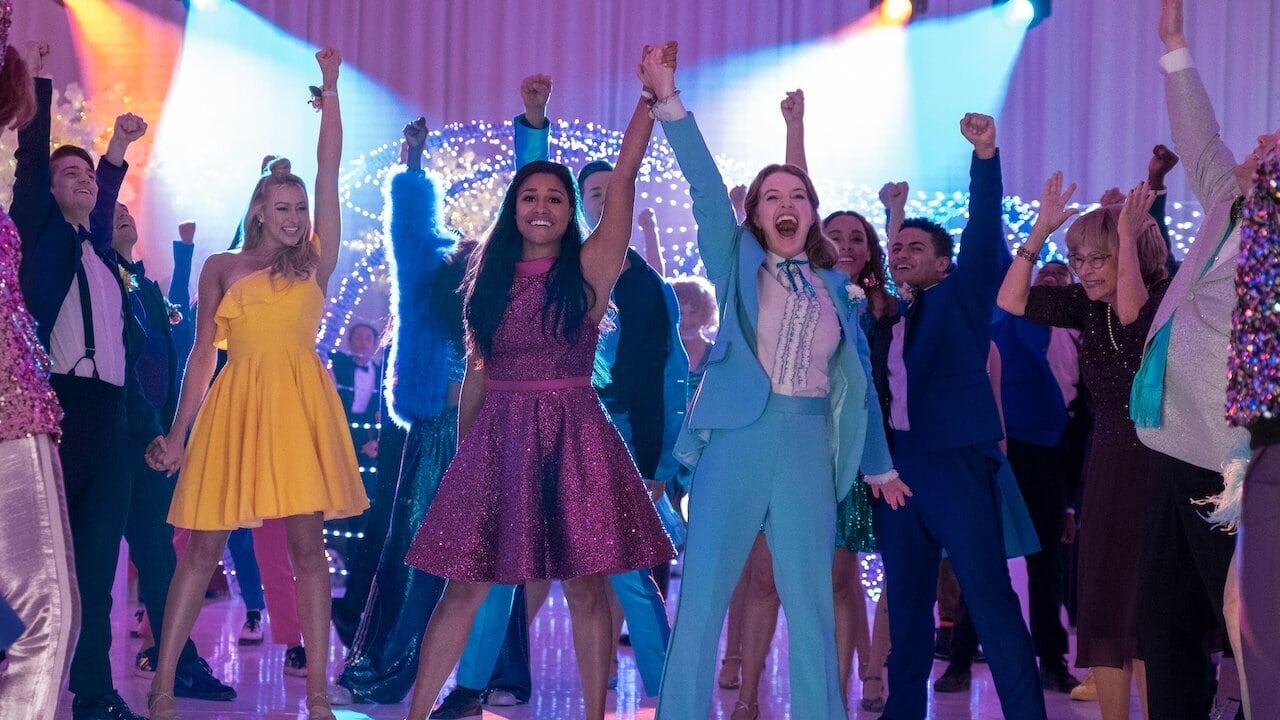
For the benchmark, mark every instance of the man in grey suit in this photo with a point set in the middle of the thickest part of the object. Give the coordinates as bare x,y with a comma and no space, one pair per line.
1178,400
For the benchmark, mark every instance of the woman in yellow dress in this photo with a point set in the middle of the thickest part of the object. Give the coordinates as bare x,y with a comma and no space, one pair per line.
270,440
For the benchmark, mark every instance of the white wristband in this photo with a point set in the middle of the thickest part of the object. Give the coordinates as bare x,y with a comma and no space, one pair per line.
881,479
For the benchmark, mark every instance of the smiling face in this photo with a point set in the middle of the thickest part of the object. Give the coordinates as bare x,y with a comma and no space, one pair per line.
784,212
362,342
74,185
1053,274
850,236
124,231
284,215
593,196
914,259
1246,169
543,213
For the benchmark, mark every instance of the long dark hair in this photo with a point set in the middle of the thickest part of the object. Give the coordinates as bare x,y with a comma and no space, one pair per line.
817,246
487,287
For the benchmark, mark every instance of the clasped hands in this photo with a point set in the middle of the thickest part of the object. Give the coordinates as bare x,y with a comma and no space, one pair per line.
164,454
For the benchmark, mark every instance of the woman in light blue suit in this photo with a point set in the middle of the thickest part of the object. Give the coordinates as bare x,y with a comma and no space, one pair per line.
780,425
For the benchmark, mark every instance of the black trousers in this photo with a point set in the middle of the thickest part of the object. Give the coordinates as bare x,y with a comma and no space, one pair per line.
98,482
150,538
1042,477
1184,572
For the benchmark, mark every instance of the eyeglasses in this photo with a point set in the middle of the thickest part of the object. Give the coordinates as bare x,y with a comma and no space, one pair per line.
1095,261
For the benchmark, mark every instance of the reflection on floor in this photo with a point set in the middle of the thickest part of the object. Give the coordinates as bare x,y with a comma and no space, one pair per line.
264,692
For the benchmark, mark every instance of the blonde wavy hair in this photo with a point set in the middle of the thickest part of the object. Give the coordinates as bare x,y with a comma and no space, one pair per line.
1100,230
297,262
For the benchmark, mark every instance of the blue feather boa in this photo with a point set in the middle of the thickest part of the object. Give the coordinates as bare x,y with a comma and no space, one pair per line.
421,354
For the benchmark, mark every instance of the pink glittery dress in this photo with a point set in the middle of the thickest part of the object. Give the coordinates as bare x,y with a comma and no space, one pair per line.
542,486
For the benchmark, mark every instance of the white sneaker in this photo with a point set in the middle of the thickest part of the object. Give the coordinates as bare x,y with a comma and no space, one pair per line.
251,631
502,698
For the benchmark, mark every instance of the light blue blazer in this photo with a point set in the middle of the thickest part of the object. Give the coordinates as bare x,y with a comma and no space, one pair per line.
735,388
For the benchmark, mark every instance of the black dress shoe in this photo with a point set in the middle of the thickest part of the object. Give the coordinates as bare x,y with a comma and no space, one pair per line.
108,706
195,680
459,703
953,680
942,642
1057,679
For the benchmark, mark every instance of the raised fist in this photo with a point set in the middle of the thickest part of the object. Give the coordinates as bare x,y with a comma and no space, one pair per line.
894,195
1162,161
415,133
980,131
793,107
129,127
329,60
187,232
535,91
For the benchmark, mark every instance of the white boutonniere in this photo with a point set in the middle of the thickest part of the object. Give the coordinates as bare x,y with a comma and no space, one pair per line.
907,293
856,294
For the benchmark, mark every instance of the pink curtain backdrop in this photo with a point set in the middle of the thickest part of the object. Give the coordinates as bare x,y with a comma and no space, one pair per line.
1085,95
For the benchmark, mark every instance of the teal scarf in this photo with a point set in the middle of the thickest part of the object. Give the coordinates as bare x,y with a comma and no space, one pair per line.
1146,398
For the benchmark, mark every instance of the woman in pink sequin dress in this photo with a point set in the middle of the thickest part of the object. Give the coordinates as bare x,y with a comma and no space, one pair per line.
37,573
542,486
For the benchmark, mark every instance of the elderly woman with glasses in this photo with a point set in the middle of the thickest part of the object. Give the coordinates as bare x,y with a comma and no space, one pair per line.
1119,256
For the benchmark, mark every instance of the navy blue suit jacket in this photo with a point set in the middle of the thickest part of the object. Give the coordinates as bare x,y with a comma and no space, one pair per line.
948,330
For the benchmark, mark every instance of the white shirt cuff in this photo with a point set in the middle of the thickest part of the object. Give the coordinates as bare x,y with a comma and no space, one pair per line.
881,479
1176,61
667,110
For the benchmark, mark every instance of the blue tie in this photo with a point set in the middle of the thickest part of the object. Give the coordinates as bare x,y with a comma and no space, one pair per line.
791,267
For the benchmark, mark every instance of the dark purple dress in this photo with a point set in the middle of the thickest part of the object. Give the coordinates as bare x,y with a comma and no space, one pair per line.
1116,486
542,486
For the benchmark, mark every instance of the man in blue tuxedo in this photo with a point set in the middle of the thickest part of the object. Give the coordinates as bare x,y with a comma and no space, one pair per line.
932,368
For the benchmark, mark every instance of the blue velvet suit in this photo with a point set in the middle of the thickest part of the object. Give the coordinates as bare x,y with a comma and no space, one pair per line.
763,457
949,458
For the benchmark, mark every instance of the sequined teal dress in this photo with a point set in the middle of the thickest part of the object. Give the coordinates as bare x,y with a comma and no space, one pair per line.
854,527
383,660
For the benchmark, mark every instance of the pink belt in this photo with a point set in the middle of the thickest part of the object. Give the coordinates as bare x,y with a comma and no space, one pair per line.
536,385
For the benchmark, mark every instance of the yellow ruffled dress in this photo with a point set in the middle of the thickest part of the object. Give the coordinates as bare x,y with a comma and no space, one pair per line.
270,440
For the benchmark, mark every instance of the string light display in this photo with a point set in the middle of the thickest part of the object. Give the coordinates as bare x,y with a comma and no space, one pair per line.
475,162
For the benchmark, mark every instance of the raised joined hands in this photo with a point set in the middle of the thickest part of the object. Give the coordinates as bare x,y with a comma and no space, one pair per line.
657,69
980,131
793,107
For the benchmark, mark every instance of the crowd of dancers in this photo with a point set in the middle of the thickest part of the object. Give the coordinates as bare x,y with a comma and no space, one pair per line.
551,397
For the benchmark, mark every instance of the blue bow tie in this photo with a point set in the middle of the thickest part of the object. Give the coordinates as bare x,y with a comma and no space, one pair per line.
792,268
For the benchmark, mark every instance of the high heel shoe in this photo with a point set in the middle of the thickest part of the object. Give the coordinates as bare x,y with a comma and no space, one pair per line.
318,707
730,672
162,706
744,711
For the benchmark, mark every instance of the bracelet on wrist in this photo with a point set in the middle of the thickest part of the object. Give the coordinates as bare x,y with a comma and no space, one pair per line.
674,93
1027,255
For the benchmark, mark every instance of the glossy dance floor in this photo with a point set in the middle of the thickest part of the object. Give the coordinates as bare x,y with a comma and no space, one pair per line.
264,692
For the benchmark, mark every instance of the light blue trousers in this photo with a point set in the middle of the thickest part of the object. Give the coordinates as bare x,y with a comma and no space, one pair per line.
777,470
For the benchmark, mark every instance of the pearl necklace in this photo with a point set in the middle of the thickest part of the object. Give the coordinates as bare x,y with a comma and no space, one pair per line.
1110,332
